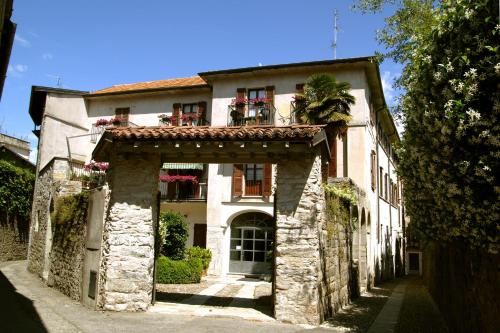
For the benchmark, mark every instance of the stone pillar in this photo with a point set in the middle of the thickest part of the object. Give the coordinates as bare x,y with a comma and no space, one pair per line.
126,273
299,216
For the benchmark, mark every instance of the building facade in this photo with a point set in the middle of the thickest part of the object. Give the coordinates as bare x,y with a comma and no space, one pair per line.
230,207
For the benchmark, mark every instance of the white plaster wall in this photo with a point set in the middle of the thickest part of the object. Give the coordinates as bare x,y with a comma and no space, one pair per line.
144,109
70,108
53,141
225,90
194,212
64,116
221,210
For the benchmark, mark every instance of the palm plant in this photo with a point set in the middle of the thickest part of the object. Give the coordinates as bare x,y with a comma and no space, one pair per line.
324,101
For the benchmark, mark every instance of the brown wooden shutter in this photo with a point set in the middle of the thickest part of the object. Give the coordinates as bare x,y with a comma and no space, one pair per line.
299,87
241,93
237,180
202,113
332,164
270,94
268,180
177,113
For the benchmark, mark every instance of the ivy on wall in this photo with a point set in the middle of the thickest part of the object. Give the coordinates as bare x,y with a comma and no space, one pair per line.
70,212
339,198
16,192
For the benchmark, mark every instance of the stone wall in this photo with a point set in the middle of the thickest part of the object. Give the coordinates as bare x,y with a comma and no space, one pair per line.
51,255
337,270
127,258
465,286
13,240
44,191
299,216
67,254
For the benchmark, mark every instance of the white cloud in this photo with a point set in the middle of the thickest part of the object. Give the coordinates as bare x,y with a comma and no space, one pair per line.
17,70
47,56
22,41
389,93
21,68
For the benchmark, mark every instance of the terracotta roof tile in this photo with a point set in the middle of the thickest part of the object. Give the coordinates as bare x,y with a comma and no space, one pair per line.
151,85
206,133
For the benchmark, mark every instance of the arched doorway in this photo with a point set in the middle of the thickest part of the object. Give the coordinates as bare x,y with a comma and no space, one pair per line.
252,244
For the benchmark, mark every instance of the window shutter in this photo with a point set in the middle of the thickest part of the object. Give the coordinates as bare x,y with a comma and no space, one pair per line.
176,112
270,94
299,87
202,113
237,180
241,93
332,165
268,180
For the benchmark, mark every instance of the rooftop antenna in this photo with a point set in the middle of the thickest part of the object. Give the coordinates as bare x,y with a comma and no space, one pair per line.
335,30
59,84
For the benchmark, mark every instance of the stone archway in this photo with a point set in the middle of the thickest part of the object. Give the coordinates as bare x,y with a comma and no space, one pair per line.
135,155
251,244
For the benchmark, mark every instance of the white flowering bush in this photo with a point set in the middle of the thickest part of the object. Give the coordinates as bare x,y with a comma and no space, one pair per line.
450,152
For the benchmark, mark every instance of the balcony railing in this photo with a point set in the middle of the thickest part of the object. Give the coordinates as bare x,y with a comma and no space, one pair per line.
185,120
253,187
251,114
184,191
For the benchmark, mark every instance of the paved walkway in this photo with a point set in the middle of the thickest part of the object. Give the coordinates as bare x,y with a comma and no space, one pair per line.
232,296
29,306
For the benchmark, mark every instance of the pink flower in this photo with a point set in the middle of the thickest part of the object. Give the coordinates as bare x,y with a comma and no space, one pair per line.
175,178
101,122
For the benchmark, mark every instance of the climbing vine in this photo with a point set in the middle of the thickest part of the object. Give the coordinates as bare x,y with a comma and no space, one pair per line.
70,212
16,192
339,199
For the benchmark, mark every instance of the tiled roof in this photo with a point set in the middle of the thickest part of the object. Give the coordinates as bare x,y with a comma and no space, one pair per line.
206,133
152,85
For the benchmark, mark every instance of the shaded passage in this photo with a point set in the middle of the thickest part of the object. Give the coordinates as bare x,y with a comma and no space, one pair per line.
17,313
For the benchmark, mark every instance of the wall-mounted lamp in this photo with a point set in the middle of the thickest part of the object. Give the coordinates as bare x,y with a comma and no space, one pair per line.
177,145
264,145
136,144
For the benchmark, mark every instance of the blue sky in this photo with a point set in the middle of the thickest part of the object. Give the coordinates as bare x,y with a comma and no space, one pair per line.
88,45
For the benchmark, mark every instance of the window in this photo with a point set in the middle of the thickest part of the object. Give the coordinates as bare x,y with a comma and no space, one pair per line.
190,108
373,169
121,115
381,182
386,186
253,179
252,95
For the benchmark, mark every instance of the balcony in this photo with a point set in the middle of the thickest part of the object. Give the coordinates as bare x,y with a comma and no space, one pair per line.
184,190
186,119
247,114
183,182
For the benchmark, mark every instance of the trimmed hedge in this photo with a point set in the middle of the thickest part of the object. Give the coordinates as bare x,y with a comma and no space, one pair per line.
178,271
205,255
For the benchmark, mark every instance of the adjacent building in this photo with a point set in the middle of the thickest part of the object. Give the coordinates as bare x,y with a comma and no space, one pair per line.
230,207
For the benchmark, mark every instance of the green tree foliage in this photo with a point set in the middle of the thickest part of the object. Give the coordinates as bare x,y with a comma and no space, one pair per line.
451,105
174,228
16,191
205,255
325,100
